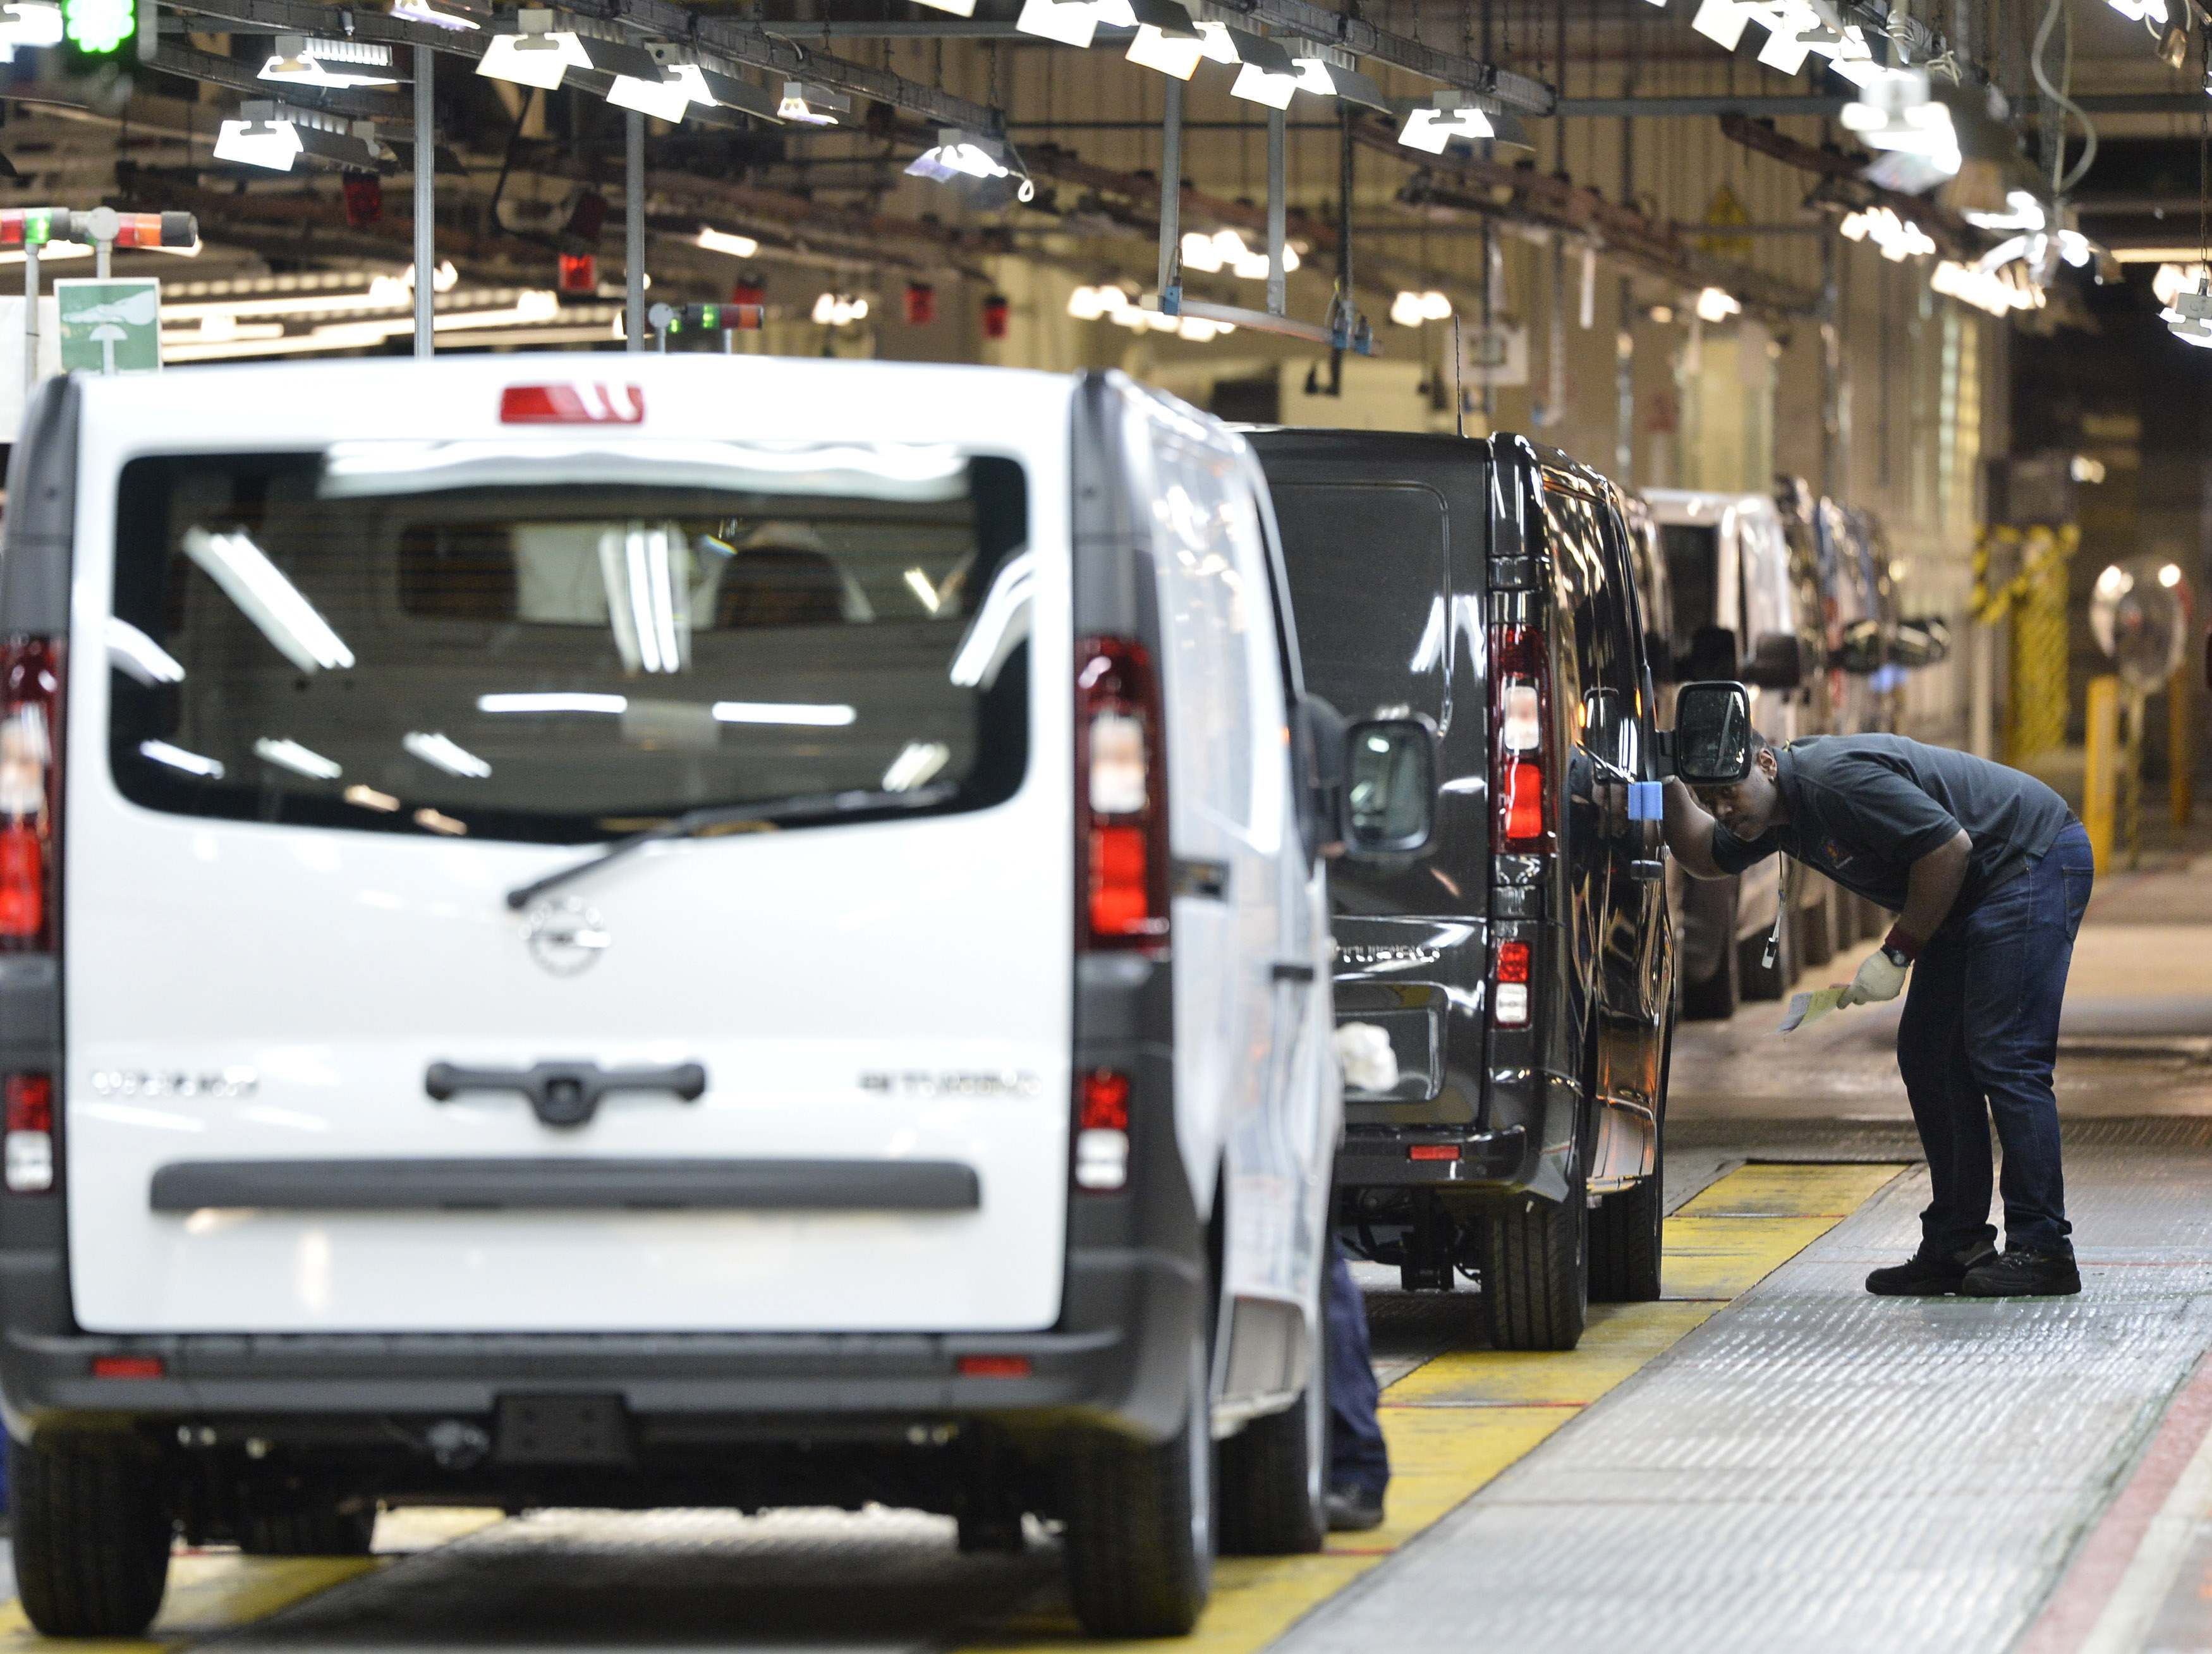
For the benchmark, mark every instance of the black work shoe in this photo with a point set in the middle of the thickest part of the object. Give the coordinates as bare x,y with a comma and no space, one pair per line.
2021,1273
1930,1274
1354,1509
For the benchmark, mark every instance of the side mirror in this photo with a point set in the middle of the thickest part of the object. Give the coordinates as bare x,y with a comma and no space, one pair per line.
1390,791
1778,662
1712,733
1925,640
1863,652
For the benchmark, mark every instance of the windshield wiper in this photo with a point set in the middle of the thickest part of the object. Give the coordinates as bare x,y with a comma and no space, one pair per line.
697,823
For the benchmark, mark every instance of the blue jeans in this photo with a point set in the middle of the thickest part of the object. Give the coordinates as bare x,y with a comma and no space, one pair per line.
1357,1459
1978,1039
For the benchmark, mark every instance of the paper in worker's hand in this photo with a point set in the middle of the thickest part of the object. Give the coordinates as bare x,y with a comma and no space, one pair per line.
1811,1007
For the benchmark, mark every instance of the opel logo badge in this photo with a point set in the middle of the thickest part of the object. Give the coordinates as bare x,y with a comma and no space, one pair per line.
565,936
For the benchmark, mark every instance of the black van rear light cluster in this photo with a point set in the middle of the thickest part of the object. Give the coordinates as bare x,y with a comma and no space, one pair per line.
30,794
1102,1131
1121,795
1509,1006
27,1152
1520,716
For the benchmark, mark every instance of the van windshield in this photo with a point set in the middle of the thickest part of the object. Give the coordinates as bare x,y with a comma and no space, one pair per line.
407,637
1693,576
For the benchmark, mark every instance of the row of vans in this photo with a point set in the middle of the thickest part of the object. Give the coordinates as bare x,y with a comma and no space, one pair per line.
741,933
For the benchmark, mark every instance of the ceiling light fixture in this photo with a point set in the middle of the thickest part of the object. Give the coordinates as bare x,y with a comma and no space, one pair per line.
958,156
663,98
1894,237
455,14
1411,309
738,246
813,106
258,138
1097,303
836,310
1717,304
713,89
536,54
2189,317
30,24
1722,22
1266,74
957,8
1168,40
299,60
1070,23
1331,71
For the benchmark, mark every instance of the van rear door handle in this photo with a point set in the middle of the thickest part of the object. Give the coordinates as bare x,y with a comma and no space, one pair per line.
565,1093
1207,879
1293,970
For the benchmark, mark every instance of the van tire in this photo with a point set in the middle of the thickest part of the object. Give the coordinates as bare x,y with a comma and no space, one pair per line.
303,1529
1535,1270
1141,1522
1274,1473
92,1536
1714,999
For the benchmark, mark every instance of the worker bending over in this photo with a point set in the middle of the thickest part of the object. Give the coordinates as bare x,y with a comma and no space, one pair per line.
1988,872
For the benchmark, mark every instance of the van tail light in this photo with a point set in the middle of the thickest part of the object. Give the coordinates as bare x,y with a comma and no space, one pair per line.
1520,716
28,1150
1511,987
1102,1131
1120,795
30,794
578,402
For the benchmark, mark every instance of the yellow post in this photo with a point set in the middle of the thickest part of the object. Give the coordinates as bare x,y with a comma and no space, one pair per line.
2180,756
2101,778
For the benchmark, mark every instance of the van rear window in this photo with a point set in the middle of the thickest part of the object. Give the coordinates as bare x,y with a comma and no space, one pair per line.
1370,585
1693,553
437,639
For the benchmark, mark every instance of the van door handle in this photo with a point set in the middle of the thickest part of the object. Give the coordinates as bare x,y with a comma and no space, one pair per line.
1293,970
1207,879
565,1093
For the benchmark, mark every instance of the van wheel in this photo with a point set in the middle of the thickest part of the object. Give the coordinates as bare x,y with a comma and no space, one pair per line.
1761,982
92,1538
1140,1523
1274,1473
1535,1271
1714,999
304,1529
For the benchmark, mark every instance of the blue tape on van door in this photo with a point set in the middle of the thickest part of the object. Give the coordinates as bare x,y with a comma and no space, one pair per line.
1647,801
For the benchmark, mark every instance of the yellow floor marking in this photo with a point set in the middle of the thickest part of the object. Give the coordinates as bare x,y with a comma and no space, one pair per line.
1457,1421
212,1593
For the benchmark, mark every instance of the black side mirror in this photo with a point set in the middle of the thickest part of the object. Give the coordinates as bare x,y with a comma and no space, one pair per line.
1712,733
1863,652
1922,641
1778,662
1390,791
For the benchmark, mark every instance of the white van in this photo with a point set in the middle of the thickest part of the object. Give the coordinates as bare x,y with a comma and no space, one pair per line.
657,931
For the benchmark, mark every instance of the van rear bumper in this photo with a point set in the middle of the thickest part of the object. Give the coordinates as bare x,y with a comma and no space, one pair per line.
1393,1157
1117,1361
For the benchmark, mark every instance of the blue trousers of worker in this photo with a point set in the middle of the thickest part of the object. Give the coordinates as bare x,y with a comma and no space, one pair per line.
1977,1041
1357,1458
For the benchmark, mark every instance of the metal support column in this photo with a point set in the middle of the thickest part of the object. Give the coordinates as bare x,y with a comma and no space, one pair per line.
1279,292
426,201
1170,196
30,315
634,233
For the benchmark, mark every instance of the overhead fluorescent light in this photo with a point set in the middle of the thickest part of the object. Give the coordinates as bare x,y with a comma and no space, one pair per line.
440,752
917,763
1411,309
957,8
738,246
715,90
455,14
1328,72
259,139
1717,304
554,701
1256,85
812,104
299,60
962,158
192,764
1722,21
1432,126
369,799
437,821
1070,23
782,712
1096,303
666,101
30,24
1168,40
275,606
536,54
300,760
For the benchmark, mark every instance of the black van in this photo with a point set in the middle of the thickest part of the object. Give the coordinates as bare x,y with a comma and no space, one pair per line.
1523,966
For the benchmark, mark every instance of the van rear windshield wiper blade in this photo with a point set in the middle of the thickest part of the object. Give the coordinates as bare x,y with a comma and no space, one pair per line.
696,823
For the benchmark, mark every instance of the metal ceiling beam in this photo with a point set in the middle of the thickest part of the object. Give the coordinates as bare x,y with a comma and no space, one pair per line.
1519,91
1664,108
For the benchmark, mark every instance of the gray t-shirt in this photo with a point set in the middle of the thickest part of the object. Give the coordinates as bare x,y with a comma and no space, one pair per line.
1864,808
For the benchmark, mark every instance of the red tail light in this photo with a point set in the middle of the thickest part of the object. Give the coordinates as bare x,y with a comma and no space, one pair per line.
127,1366
28,1149
30,794
1101,1132
1520,707
1510,986
994,1366
1513,962
1121,795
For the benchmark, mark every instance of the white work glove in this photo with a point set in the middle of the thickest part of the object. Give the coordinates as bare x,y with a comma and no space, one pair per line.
1364,1053
1880,978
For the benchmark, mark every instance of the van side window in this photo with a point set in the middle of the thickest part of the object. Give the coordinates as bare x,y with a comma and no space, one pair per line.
1195,492
1593,587
1369,569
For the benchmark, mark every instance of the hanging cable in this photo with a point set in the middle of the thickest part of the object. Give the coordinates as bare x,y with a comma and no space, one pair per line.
2063,185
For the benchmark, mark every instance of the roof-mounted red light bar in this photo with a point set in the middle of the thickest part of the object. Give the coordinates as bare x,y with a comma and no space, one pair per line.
581,402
